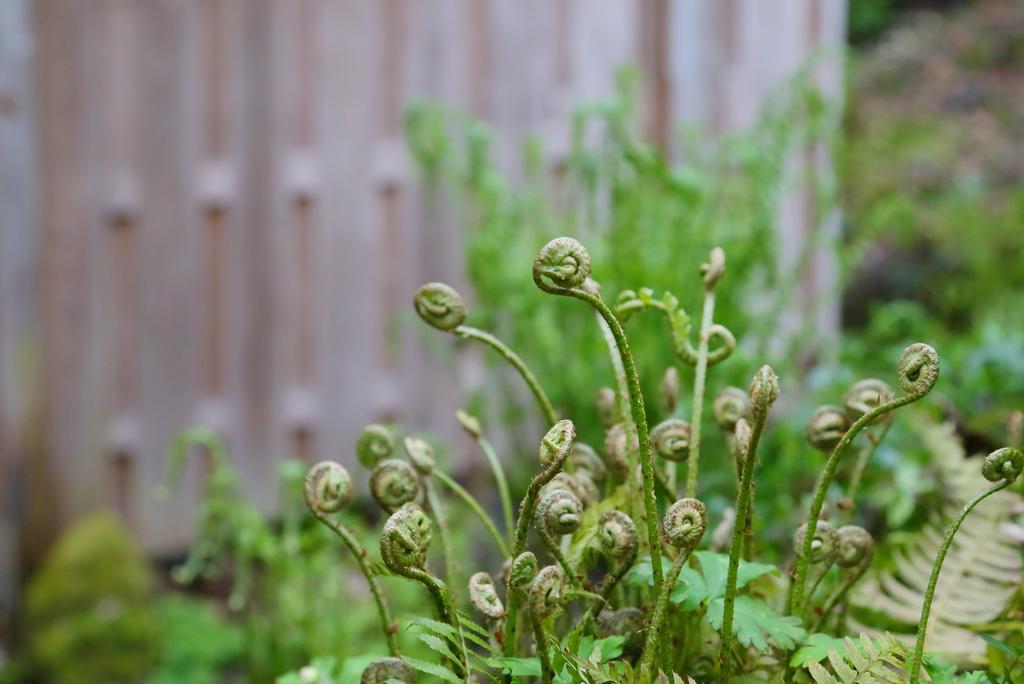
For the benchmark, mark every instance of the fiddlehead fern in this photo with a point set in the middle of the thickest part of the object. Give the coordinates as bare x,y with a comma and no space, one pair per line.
403,547
1002,467
671,439
619,541
559,512
440,306
865,396
394,483
386,670
856,548
484,596
421,456
554,450
583,459
729,406
682,527
917,373
562,267
617,449
374,444
328,489
824,545
764,390
826,427
544,598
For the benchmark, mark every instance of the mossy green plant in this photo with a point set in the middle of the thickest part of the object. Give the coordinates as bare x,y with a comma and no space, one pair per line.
88,613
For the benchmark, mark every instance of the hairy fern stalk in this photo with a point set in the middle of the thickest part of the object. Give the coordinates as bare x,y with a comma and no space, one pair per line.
604,572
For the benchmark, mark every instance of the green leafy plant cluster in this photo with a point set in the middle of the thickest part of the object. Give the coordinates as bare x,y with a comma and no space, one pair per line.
285,578
612,568
646,220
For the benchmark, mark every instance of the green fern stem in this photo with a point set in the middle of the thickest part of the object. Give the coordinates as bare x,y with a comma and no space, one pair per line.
502,484
474,505
918,372
740,529
639,416
443,533
444,604
839,593
700,376
660,611
929,594
551,544
857,476
564,432
389,626
802,563
562,267
470,333
540,636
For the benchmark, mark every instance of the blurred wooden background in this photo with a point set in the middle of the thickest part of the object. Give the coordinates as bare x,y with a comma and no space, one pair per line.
209,215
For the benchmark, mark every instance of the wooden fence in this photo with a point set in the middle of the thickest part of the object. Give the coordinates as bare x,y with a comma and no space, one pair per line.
209,214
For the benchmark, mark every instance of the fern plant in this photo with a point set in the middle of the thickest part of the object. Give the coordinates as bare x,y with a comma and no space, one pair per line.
600,577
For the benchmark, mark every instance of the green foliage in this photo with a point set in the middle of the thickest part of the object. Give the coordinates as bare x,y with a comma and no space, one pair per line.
932,164
87,614
287,576
865,661
197,644
647,221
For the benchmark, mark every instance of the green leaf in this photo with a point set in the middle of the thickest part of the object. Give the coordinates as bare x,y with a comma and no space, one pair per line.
432,669
518,667
430,625
695,588
755,624
1008,649
437,644
815,649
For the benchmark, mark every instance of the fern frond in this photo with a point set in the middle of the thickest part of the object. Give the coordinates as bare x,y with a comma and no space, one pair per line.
981,573
865,661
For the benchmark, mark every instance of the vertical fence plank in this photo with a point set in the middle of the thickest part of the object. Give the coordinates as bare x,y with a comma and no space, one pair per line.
19,296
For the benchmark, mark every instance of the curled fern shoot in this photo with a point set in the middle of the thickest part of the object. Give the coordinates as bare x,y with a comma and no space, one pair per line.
394,483
559,512
856,549
403,547
388,671
682,528
328,489
764,390
554,450
619,542
544,599
917,373
421,456
712,272
375,443
440,306
562,267
1001,467
825,547
484,596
